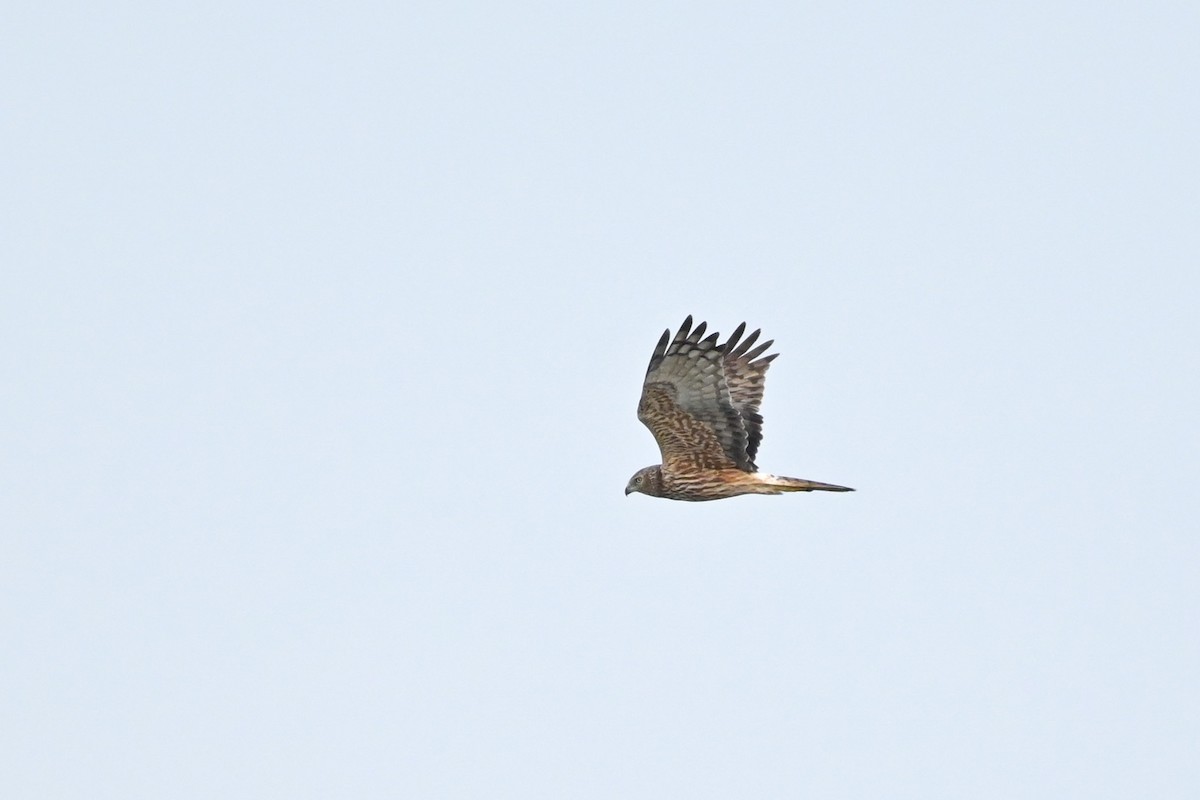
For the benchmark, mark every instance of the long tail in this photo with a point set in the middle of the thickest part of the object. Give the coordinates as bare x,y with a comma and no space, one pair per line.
800,485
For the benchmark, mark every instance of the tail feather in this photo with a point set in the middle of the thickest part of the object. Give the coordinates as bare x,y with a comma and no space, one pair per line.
801,485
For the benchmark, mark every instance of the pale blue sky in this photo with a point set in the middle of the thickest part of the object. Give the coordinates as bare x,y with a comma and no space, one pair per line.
323,330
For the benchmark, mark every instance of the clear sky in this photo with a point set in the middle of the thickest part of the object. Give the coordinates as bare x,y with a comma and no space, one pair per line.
322,333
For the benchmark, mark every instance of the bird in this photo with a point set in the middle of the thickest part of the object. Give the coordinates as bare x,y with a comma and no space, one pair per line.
701,401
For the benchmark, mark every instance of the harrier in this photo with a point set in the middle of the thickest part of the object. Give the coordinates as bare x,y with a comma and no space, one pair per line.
700,399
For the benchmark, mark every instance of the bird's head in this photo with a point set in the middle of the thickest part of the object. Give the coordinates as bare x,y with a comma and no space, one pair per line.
647,480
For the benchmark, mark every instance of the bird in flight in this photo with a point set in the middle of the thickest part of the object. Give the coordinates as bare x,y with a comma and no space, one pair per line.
700,399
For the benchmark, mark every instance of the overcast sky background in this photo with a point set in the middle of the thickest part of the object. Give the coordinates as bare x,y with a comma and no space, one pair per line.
322,333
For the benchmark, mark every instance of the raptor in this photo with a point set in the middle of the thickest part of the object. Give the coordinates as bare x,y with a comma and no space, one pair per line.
701,401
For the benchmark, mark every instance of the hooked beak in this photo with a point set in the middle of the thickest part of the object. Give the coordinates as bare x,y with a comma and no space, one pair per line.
628,491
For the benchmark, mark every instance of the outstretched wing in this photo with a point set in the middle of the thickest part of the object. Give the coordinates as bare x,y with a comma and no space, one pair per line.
687,405
746,379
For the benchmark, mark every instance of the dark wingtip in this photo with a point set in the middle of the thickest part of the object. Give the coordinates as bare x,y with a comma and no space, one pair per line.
660,350
663,341
745,345
732,341
758,351
684,329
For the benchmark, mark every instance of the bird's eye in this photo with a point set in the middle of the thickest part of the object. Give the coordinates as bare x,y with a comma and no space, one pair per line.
638,481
